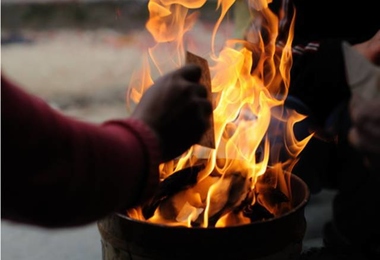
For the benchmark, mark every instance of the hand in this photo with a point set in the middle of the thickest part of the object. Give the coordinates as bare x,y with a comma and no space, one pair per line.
365,132
177,109
370,49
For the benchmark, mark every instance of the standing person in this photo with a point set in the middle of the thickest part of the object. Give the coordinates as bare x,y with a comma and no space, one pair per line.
344,154
58,171
352,167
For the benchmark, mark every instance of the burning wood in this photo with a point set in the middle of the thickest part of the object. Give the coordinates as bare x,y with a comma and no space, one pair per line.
178,181
233,196
257,212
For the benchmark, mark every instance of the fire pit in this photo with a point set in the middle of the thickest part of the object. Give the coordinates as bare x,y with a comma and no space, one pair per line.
124,238
235,199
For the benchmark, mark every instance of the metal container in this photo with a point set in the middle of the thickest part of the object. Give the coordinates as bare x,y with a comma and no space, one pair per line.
124,238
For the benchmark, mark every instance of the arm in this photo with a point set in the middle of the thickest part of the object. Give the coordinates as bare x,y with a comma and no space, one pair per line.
318,77
318,58
58,171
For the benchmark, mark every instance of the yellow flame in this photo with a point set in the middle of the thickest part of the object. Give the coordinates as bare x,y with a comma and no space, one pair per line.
249,84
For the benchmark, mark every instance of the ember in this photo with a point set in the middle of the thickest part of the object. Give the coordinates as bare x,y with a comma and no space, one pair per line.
240,178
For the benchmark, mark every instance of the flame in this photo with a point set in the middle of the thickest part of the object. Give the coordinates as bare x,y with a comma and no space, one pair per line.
252,127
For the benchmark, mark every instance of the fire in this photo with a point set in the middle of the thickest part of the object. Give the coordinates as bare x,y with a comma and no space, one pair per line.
242,180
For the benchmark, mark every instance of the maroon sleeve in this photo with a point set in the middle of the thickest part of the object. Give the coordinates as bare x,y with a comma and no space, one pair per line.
58,171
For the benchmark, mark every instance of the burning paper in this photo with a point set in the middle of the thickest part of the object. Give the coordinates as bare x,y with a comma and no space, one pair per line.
208,138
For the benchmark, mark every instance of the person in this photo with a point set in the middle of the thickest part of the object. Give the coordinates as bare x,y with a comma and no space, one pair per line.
343,155
58,171
352,166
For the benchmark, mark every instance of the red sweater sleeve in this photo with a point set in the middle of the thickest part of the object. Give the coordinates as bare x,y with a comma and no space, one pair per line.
58,171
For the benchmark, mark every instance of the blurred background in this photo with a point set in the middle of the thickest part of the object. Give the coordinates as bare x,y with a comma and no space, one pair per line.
79,55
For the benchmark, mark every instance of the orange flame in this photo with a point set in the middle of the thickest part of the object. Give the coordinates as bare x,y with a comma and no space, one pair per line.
250,83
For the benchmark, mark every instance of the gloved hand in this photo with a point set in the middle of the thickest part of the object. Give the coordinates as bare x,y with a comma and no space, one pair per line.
177,109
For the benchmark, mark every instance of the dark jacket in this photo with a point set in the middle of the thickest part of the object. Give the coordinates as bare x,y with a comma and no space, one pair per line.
318,80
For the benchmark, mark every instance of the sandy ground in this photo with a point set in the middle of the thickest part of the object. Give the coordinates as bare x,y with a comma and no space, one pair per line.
84,73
